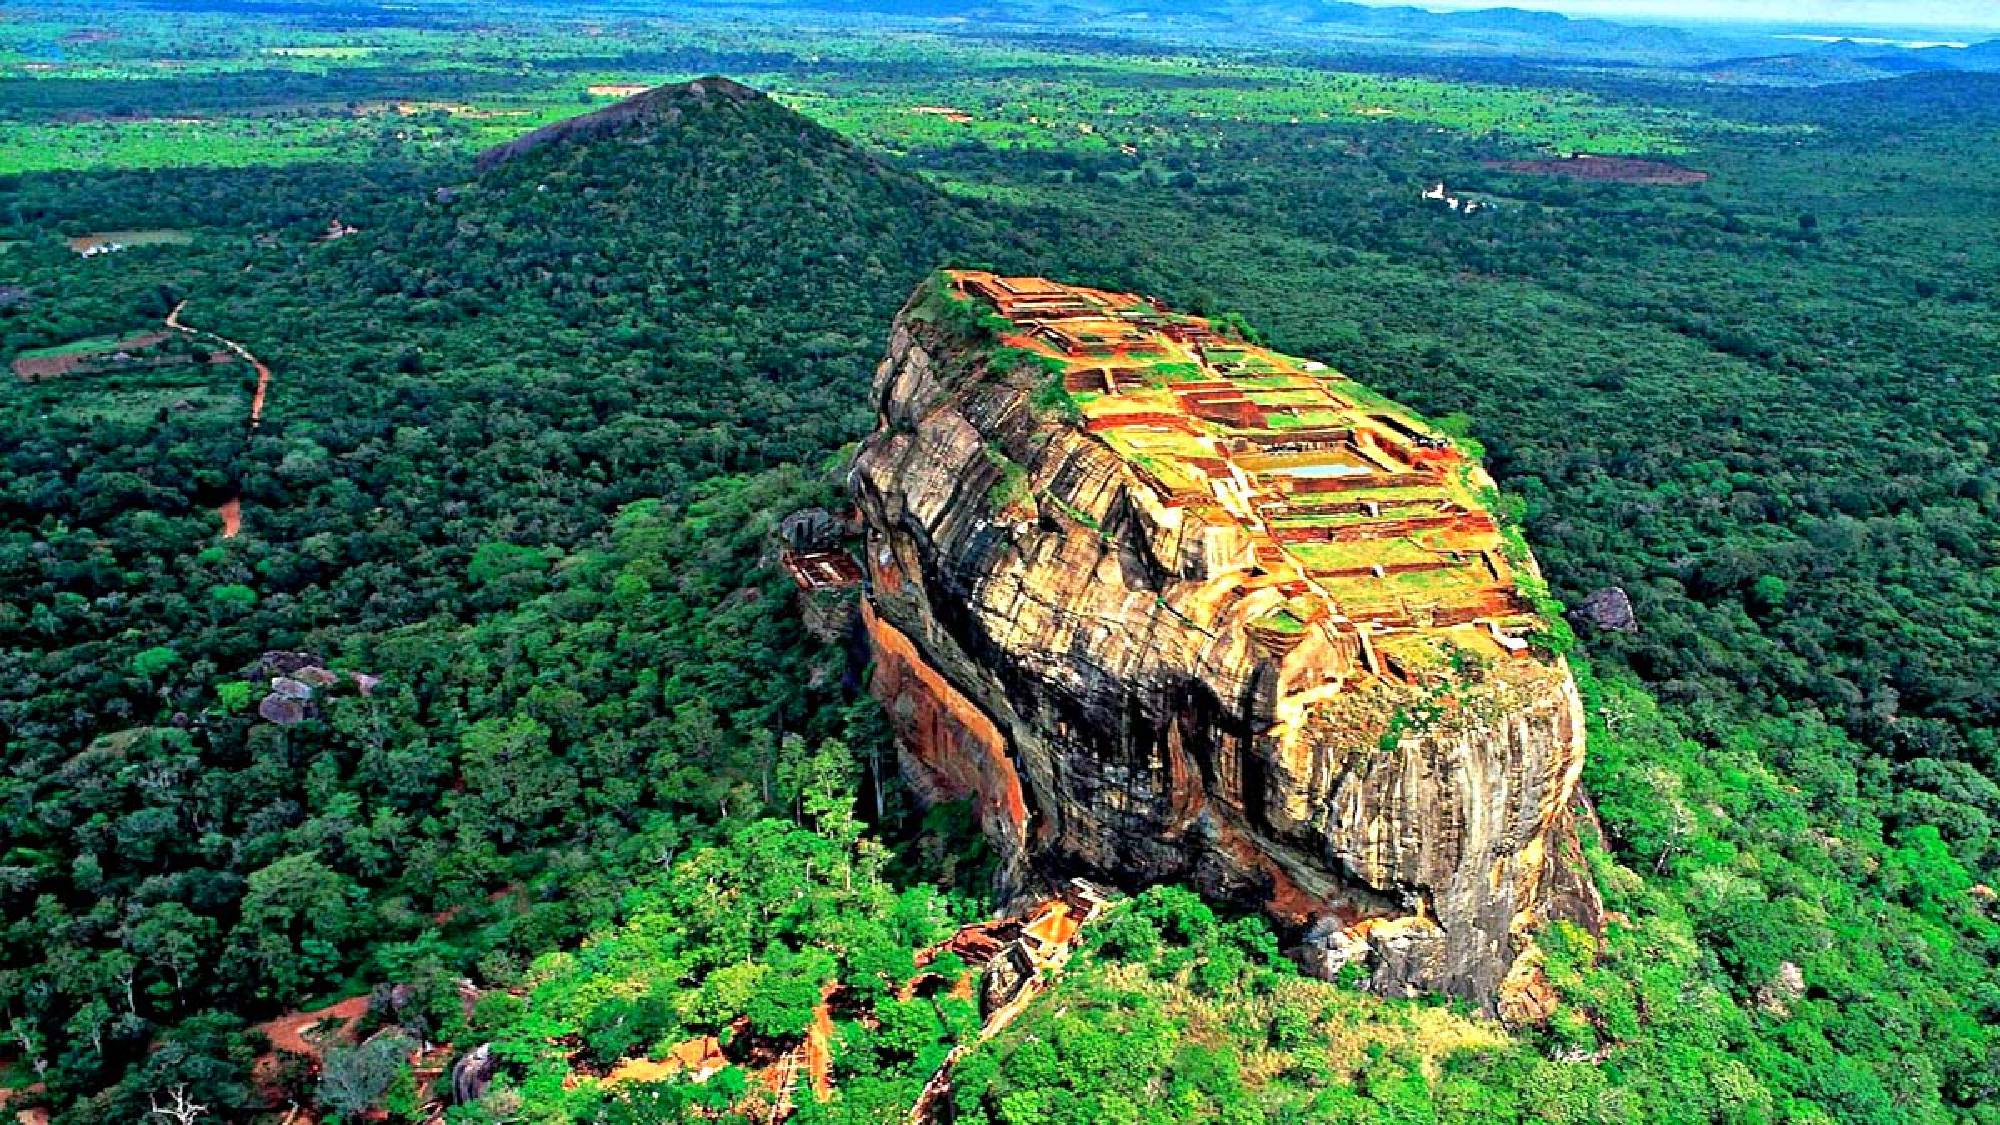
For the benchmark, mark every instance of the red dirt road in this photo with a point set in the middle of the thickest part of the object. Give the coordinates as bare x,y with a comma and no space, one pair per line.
263,372
819,1048
231,513
287,1033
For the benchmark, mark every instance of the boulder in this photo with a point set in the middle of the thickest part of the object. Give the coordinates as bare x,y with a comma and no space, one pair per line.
288,688
472,1073
316,676
282,710
810,529
278,662
1608,611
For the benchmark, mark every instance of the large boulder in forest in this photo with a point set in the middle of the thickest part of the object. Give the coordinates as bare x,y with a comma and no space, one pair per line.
283,710
810,529
1608,611
472,1073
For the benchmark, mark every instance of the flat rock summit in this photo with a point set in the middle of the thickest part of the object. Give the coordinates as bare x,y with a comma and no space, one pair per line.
1170,605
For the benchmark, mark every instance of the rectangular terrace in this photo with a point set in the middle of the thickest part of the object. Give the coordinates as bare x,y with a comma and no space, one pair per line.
1361,506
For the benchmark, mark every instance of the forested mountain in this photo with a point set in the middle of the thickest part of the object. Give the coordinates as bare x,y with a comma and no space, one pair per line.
468,391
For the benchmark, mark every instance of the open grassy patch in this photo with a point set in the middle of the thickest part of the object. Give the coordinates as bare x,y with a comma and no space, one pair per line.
84,243
323,52
90,345
136,405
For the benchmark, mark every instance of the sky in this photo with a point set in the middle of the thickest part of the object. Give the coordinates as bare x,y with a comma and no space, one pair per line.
1897,13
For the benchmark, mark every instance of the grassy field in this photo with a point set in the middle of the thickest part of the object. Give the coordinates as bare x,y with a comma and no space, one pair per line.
139,404
887,91
156,237
1077,102
88,346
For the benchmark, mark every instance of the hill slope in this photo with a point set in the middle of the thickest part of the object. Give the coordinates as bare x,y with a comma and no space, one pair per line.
643,118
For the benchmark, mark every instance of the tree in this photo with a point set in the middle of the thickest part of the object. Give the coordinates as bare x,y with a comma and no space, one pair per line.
154,661
877,963
177,1108
234,695
516,781
495,561
233,600
296,913
782,1005
170,937
355,1080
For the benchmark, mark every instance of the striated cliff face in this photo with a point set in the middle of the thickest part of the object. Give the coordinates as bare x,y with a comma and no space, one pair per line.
1169,606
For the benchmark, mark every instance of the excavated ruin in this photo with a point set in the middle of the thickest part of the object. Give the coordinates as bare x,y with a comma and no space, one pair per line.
1173,607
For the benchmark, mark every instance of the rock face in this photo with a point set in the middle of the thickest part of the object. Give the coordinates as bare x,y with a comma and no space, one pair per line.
472,1073
1146,665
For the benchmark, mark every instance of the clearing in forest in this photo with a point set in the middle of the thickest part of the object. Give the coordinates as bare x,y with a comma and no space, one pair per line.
105,241
102,354
1606,169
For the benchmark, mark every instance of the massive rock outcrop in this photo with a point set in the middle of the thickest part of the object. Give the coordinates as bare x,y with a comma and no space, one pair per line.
1170,606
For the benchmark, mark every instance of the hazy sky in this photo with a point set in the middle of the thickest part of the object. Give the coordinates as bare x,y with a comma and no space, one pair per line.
1901,13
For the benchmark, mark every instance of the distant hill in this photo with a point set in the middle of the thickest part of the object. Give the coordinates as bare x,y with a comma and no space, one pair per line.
1986,54
1955,99
1849,61
1417,28
1799,69
671,213
662,107
1495,19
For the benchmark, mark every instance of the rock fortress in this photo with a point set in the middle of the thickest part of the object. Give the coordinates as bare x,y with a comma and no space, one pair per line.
1169,605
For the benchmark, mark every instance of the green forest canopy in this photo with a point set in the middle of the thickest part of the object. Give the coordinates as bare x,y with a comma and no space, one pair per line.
532,428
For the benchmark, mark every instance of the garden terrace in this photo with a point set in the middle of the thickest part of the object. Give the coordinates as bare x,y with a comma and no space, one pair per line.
1366,519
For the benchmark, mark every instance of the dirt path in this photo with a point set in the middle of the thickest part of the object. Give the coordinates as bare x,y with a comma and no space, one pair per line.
819,1047
288,1032
231,513
263,372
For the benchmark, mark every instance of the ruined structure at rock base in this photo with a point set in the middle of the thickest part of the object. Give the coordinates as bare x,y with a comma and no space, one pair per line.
829,582
1170,606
